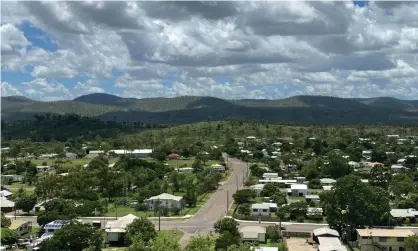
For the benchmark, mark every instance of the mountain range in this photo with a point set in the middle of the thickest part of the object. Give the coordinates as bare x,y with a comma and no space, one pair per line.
190,109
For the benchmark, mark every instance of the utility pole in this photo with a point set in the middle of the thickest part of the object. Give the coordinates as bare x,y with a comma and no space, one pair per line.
159,220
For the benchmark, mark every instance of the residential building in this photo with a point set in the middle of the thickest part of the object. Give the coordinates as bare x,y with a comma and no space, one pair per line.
327,181
330,244
218,167
173,156
324,232
327,188
404,213
21,226
139,153
397,168
185,170
48,156
369,165
260,209
271,176
115,231
314,211
11,178
298,190
253,233
70,156
366,154
382,239
94,153
265,248
6,205
354,164
5,193
42,169
54,225
312,197
257,188
166,200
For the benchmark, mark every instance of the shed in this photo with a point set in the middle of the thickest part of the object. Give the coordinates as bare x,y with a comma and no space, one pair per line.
253,233
115,231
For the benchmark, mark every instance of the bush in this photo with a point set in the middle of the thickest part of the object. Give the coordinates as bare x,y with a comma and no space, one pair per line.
300,219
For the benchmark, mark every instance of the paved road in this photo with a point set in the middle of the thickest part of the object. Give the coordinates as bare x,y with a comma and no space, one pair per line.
215,208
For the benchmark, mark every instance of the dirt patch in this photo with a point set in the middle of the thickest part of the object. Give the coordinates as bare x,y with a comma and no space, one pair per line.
298,244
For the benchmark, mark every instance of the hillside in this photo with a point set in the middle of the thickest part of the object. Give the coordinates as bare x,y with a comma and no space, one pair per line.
190,109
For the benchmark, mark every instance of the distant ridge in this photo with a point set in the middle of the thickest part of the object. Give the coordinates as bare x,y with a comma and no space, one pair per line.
189,109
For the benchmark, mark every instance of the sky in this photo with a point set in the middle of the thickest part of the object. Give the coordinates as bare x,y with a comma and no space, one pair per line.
261,50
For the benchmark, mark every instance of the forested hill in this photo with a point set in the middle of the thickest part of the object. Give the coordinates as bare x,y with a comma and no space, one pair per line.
190,109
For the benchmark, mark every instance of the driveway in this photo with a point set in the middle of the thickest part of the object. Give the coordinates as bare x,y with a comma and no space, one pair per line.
298,244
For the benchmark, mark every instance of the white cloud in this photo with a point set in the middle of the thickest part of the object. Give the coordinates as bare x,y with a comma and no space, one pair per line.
40,88
262,49
8,90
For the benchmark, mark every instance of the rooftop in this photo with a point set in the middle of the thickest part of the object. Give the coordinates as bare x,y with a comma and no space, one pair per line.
325,231
6,203
375,232
119,225
260,206
298,186
403,213
165,196
17,223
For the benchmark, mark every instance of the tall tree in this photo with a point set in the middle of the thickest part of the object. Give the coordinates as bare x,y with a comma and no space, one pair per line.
75,236
26,202
142,227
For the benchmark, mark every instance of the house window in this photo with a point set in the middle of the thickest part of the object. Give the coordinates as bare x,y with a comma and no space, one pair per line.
400,239
365,237
265,210
255,210
383,239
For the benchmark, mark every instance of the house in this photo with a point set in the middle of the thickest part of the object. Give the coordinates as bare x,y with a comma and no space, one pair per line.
287,183
48,156
298,190
330,244
314,211
166,200
253,233
397,168
94,153
40,206
265,248
393,136
139,153
324,232
6,205
382,239
366,154
218,167
54,225
401,161
251,138
173,156
312,197
270,176
257,188
354,164
42,169
5,193
260,209
327,188
10,178
404,213
115,231
185,170
277,144
70,156
327,181
21,226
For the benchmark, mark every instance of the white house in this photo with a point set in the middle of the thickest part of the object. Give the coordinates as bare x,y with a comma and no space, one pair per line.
139,153
42,169
260,209
116,230
354,164
166,200
327,181
327,188
270,176
70,156
48,156
299,189
397,168
265,248
312,197
54,225
253,233
6,205
366,154
218,167
94,153
257,188
404,213
5,193
330,244
185,170
314,211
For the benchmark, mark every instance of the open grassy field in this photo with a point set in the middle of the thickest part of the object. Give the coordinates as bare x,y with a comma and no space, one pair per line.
14,188
177,234
69,163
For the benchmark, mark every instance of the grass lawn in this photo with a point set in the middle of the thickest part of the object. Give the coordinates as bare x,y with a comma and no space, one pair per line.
122,211
171,234
231,209
71,163
296,198
115,248
188,162
14,188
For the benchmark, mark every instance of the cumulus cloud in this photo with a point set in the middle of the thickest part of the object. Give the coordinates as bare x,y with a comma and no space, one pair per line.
9,90
224,49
